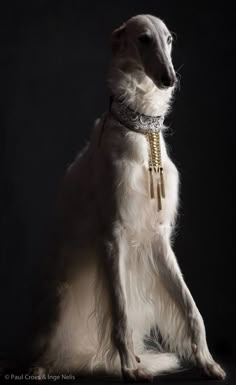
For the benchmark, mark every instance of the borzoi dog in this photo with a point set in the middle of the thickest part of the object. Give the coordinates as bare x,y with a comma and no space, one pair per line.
123,307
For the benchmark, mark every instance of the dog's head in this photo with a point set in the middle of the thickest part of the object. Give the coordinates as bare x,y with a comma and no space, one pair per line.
144,43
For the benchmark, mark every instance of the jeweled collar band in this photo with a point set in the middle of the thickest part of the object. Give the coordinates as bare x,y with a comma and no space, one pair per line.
133,120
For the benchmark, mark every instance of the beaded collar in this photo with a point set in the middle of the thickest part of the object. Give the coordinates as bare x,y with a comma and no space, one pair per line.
134,120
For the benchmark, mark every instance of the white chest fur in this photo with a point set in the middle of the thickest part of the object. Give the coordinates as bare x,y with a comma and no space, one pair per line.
138,211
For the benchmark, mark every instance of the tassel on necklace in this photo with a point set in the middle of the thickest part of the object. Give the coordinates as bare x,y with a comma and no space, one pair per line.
151,183
155,167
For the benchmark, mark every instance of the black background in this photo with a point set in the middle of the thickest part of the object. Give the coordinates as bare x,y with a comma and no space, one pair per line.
54,60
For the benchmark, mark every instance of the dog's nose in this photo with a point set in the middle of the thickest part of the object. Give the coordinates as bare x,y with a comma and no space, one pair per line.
168,80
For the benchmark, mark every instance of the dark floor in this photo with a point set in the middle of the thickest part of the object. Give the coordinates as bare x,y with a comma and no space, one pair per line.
188,377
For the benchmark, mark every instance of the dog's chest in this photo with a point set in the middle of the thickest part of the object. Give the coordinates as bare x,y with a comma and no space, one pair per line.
138,210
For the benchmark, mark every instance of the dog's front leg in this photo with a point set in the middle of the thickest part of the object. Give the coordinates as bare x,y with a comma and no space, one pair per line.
174,283
115,253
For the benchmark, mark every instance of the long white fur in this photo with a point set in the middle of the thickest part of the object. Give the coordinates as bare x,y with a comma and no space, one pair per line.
82,340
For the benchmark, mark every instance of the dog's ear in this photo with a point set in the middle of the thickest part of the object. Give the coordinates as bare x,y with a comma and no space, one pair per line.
118,38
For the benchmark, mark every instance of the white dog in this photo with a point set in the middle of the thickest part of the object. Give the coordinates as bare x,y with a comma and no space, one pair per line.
119,286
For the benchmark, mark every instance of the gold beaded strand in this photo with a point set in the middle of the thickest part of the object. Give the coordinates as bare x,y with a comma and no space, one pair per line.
155,166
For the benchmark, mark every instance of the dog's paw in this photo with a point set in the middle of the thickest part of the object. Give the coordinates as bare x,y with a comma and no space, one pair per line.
212,369
136,375
207,364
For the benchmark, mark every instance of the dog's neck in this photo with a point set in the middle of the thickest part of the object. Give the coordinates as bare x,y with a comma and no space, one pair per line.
139,92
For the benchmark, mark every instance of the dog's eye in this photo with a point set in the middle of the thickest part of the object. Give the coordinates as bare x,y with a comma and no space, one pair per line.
145,38
169,39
